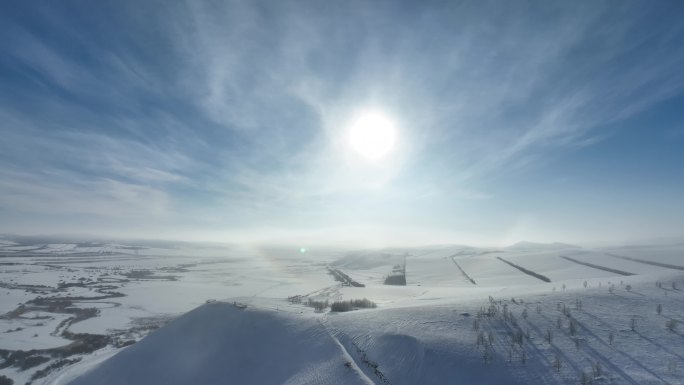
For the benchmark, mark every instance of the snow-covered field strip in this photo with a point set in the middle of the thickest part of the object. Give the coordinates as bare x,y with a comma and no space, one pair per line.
74,306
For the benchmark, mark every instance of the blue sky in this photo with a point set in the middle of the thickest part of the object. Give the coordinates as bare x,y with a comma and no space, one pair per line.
227,120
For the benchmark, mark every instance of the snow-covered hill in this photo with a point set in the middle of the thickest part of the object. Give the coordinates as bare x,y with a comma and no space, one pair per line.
221,343
529,314
609,336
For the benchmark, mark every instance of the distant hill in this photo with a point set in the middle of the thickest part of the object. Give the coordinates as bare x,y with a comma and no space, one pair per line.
524,245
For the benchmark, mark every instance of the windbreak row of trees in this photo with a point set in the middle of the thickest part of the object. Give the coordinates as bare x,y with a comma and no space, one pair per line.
352,304
340,306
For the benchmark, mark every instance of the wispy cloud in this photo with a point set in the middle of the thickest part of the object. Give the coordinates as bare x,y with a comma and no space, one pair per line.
237,109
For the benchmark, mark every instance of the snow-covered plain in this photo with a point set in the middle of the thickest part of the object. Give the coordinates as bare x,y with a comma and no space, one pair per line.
525,314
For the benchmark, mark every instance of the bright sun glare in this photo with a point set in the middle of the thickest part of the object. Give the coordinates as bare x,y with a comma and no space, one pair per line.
372,135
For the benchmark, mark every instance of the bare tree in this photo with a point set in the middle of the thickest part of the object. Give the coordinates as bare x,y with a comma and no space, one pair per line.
671,325
596,369
548,336
557,363
488,354
584,379
572,327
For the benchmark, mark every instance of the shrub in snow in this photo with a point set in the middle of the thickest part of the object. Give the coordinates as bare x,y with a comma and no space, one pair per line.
548,336
573,327
480,338
33,361
557,363
55,365
488,354
517,337
596,369
584,379
671,325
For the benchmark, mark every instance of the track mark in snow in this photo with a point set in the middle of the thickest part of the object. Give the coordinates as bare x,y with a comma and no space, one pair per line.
619,369
616,271
665,265
353,365
526,271
462,271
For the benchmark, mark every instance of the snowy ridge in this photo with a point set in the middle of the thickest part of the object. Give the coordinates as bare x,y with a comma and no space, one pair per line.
220,342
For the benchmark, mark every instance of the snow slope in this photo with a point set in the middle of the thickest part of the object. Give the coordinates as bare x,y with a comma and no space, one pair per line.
220,343
431,343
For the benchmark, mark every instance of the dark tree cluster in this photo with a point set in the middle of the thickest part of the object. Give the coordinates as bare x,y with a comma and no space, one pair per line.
340,306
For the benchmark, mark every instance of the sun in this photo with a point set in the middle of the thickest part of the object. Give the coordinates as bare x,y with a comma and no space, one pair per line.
372,135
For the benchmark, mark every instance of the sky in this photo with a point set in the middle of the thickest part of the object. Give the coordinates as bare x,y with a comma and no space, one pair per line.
229,120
